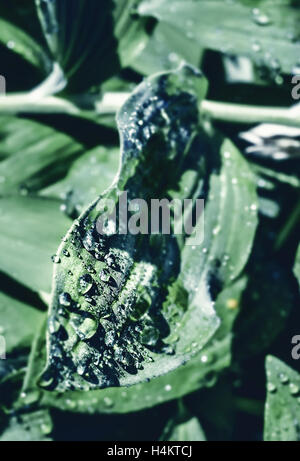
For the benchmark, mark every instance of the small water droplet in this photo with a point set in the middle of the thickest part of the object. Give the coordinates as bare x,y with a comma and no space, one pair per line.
271,388
294,389
65,299
260,18
55,259
108,402
283,378
11,44
168,387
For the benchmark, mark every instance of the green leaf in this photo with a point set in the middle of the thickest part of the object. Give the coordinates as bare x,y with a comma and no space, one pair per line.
282,411
31,427
297,265
166,48
183,428
272,28
30,231
19,42
91,40
200,372
18,322
257,327
88,177
34,155
128,309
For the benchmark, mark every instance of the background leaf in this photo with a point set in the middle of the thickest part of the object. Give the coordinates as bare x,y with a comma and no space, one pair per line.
272,27
19,322
91,40
30,230
282,412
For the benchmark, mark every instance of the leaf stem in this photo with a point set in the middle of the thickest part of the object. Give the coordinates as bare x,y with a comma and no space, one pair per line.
242,113
112,102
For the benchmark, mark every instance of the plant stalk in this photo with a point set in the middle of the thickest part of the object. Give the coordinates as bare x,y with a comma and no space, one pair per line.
112,102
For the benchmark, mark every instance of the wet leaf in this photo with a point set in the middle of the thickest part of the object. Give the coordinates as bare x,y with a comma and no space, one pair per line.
282,411
166,48
127,308
268,34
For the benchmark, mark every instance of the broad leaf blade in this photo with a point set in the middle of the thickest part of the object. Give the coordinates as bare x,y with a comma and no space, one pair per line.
19,42
273,28
18,322
282,411
35,154
30,230
88,177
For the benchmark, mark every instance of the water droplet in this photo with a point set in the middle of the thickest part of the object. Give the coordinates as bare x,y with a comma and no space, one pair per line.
85,283
283,378
260,18
294,389
85,327
55,259
149,335
11,44
108,402
65,299
271,388
168,387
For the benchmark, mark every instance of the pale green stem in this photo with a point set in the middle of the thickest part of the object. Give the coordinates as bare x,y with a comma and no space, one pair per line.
112,102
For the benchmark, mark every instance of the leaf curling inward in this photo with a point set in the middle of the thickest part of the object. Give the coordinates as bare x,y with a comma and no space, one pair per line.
123,309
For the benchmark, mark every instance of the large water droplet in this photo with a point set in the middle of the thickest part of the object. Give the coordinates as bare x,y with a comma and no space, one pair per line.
85,283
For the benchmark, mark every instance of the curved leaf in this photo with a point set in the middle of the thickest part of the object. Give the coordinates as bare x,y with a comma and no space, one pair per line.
127,308
282,411
91,39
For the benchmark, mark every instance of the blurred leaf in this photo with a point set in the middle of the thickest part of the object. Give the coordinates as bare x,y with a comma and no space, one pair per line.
165,50
269,34
18,322
88,177
282,411
31,427
258,327
91,40
30,231
183,428
19,42
34,155
297,265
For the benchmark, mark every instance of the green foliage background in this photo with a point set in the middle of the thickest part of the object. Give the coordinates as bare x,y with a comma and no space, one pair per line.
69,67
